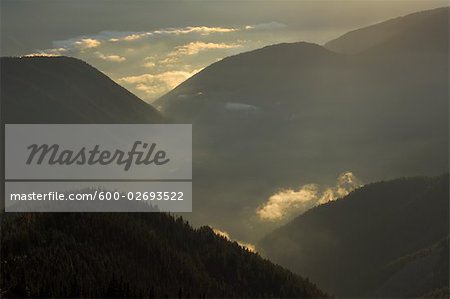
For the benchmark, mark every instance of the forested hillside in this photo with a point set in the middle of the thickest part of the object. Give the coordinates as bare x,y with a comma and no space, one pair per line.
60,255
387,239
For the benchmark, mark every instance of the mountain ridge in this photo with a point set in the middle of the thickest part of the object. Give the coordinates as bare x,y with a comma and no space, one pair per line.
129,255
34,88
394,219
361,39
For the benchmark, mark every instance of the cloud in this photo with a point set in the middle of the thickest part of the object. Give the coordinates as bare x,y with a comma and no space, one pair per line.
169,60
120,36
113,58
171,78
42,54
266,26
135,36
87,43
128,36
156,84
151,63
250,247
279,205
195,47
240,107
288,203
203,30
48,52
113,37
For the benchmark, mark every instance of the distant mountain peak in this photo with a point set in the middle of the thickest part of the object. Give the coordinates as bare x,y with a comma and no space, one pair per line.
66,90
359,40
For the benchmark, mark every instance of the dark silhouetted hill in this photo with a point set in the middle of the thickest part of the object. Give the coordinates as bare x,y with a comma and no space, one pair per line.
146,255
356,41
66,90
387,239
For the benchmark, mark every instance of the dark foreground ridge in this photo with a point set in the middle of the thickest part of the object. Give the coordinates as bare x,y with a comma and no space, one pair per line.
387,239
132,255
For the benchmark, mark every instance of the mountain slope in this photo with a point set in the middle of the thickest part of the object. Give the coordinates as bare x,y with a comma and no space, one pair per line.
367,236
132,255
76,255
252,78
292,114
426,269
365,38
66,90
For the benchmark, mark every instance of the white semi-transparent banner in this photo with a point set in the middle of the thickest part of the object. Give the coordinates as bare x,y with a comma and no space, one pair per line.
95,168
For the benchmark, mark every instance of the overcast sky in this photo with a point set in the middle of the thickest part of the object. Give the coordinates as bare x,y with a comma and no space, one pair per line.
151,46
